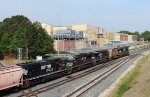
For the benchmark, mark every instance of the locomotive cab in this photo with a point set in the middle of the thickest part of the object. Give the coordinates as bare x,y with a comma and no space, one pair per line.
69,62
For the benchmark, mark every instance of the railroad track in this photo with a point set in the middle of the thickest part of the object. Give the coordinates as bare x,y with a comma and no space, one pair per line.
71,78
93,69
83,89
1,65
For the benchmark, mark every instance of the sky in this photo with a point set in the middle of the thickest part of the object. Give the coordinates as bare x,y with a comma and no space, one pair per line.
112,15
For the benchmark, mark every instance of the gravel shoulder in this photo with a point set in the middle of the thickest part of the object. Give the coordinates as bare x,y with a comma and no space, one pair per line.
141,85
112,90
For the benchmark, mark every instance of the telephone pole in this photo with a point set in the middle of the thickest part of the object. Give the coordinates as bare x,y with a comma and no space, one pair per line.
58,34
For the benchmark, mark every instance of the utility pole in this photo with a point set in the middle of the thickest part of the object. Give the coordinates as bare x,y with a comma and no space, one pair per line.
27,50
27,53
58,34
75,39
69,44
19,54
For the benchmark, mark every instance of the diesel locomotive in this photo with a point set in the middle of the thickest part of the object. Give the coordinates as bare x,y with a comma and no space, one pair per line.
33,73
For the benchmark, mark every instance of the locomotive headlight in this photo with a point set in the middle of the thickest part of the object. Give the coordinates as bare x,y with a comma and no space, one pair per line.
92,57
69,64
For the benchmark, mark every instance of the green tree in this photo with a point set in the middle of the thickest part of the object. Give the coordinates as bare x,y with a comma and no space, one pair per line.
126,32
137,34
132,33
146,35
19,32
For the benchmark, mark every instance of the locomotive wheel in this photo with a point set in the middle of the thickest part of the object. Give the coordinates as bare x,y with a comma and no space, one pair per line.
34,82
26,83
69,72
16,89
43,80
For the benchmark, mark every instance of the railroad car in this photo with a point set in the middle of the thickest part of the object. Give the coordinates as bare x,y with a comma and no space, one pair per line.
10,77
103,56
79,62
114,53
86,60
124,51
118,52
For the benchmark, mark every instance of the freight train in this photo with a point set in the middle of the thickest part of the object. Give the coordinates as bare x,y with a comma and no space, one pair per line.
28,74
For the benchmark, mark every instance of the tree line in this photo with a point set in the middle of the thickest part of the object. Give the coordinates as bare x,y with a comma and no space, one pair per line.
19,32
145,34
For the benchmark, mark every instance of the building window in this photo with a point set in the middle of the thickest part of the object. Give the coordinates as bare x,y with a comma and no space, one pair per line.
93,43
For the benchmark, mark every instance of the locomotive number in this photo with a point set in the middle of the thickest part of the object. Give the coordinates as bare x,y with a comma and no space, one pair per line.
43,67
49,66
46,66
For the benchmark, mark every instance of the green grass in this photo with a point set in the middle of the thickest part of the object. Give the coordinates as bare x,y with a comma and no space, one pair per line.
127,82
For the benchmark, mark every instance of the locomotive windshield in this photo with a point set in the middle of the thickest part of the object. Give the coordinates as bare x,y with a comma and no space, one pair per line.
70,58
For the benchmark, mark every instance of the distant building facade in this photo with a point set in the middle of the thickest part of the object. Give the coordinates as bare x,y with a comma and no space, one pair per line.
67,40
90,33
113,37
84,35
68,34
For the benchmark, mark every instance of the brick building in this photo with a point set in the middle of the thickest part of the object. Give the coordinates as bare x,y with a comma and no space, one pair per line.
92,36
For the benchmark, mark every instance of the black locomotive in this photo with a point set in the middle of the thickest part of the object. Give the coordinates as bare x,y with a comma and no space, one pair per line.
50,69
